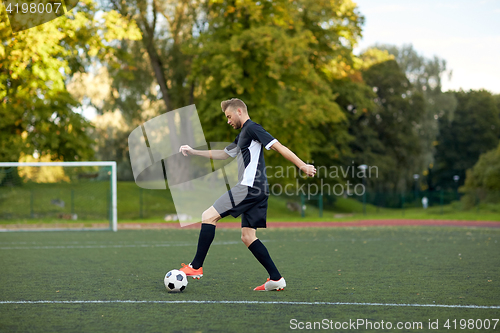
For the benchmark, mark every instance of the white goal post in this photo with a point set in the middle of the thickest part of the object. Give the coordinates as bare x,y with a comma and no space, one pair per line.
113,186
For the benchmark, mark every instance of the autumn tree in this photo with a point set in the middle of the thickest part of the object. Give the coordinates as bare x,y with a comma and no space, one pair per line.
37,112
277,57
482,181
386,136
472,130
425,75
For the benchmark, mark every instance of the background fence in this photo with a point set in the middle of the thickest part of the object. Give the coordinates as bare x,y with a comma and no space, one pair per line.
90,199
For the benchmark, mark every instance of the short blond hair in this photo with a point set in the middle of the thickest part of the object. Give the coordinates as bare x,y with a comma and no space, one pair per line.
233,104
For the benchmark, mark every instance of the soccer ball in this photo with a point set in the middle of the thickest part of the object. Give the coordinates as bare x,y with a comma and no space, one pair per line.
175,281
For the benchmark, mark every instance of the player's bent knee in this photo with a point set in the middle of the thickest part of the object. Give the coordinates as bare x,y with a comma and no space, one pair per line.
208,219
248,240
248,237
244,238
210,216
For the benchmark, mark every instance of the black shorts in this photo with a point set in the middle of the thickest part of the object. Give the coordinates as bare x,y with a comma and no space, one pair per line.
249,202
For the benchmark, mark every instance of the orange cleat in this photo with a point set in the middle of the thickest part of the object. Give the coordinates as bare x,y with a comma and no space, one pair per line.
272,285
190,271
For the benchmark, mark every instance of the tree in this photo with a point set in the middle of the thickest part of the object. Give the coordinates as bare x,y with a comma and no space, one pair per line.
150,76
348,143
110,134
386,137
156,67
472,130
36,111
482,181
425,75
279,58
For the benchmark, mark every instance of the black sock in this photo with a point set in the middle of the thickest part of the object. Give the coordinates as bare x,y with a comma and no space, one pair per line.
207,234
260,252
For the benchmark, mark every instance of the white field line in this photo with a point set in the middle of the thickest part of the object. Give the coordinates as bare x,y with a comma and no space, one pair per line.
258,302
93,245
104,246
108,246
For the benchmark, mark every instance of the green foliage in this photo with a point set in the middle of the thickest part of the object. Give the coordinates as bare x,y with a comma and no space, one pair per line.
385,135
290,61
275,56
345,142
110,135
425,75
354,99
486,172
473,130
150,74
36,110
482,182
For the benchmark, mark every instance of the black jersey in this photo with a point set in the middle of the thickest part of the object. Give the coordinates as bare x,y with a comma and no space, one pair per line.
248,147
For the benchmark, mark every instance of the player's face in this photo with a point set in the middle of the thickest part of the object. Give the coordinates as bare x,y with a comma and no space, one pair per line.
233,119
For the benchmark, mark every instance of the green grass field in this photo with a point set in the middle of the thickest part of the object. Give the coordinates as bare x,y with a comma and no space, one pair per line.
430,267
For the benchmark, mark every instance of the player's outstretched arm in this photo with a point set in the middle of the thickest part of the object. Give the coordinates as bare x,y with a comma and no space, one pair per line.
308,169
213,154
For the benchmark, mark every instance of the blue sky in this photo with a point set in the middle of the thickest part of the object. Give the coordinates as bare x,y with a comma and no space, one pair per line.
464,33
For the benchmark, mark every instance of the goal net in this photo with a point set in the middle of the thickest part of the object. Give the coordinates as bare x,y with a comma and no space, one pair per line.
58,196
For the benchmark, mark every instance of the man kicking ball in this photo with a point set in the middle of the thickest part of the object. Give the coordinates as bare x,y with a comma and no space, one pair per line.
248,197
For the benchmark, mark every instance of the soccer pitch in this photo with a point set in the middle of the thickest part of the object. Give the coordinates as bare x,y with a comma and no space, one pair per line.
104,281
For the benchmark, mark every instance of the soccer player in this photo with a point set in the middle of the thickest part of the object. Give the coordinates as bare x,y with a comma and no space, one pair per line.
248,197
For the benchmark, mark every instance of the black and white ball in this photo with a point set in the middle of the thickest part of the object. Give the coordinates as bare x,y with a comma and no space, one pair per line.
175,281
